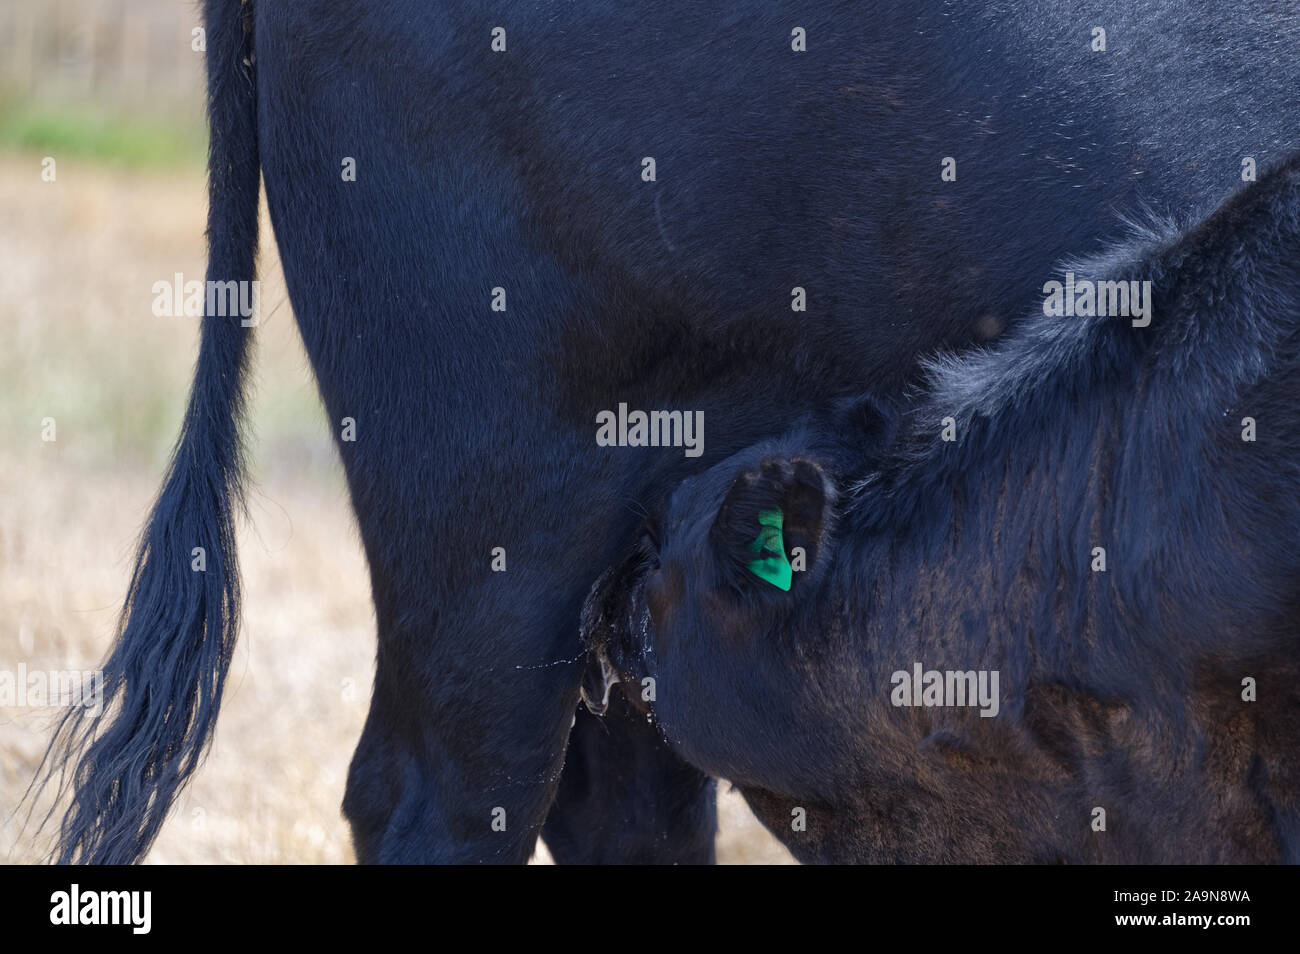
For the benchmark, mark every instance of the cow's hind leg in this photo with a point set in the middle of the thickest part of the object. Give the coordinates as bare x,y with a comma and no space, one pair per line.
458,762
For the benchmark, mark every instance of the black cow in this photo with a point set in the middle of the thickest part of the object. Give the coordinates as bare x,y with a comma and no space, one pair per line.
1109,546
507,167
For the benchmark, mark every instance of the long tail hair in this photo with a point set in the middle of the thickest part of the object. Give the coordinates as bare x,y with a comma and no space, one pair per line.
163,680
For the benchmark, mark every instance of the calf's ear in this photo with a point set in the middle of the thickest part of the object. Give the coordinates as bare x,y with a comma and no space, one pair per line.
770,530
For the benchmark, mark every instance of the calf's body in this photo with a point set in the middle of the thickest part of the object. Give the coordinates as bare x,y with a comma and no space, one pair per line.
1097,518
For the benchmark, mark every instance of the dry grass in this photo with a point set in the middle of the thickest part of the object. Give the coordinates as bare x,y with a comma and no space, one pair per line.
84,348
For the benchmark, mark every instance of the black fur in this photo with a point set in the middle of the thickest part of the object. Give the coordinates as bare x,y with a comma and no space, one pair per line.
475,428
1120,689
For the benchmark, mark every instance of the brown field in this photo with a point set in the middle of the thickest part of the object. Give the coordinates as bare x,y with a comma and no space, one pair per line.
84,348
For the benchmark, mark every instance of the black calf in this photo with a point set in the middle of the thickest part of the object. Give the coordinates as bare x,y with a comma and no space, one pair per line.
1102,567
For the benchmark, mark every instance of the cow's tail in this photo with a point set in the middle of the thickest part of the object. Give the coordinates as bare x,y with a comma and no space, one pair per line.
162,682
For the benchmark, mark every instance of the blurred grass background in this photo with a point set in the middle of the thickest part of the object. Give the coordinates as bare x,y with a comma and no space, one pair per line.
124,140
112,91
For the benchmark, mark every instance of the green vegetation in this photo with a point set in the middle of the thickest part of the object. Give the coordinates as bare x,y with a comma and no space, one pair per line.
116,138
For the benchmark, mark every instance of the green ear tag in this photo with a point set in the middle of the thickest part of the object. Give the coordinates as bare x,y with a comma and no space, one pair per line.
772,564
